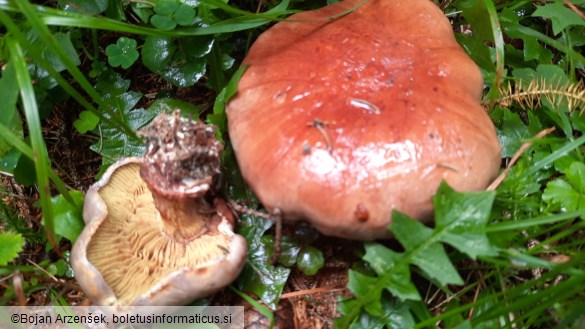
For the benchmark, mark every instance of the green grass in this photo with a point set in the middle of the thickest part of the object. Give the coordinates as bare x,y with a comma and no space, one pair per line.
527,270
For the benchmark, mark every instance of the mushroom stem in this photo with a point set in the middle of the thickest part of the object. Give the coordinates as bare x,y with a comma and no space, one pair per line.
181,164
184,218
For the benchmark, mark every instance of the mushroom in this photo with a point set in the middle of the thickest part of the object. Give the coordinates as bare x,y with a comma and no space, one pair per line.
354,110
155,234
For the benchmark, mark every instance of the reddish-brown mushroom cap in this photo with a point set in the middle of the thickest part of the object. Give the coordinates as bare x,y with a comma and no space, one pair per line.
340,122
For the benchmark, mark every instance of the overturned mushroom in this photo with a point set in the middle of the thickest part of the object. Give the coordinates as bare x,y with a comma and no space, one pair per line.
341,121
155,234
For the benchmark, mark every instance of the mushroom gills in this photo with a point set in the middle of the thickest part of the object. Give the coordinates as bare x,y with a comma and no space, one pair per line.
130,248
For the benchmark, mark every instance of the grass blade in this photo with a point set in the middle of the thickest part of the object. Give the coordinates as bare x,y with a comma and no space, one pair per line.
39,150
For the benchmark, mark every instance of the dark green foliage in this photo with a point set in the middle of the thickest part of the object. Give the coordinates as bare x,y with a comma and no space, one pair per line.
180,63
123,53
460,219
259,276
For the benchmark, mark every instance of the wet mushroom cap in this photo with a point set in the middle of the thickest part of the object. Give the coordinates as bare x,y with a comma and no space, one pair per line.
125,257
342,121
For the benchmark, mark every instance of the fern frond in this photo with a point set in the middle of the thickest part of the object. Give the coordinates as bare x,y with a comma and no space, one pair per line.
530,96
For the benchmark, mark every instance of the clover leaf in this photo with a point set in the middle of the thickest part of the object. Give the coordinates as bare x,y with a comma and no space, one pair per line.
170,14
123,53
87,121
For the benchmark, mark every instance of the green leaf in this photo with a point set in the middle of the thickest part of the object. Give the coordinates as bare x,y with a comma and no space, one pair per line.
10,245
482,16
166,8
168,105
549,77
87,121
197,47
114,144
110,82
218,117
560,16
462,219
427,255
367,321
184,15
310,260
115,10
259,276
8,94
184,72
512,133
157,52
163,23
9,155
176,63
478,50
396,315
475,13
361,285
123,53
170,13
142,10
88,7
289,250
24,172
68,217
576,176
9,160
64,41
569,193
60,268
97,68
383,260
533,49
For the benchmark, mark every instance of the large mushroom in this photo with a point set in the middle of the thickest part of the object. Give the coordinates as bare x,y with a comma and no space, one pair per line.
349,112
154,233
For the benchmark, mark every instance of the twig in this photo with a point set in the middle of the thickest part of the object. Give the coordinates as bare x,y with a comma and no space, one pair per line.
310,292
45,271
476,295
18,289
574,8
245,210
320,126
494,185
